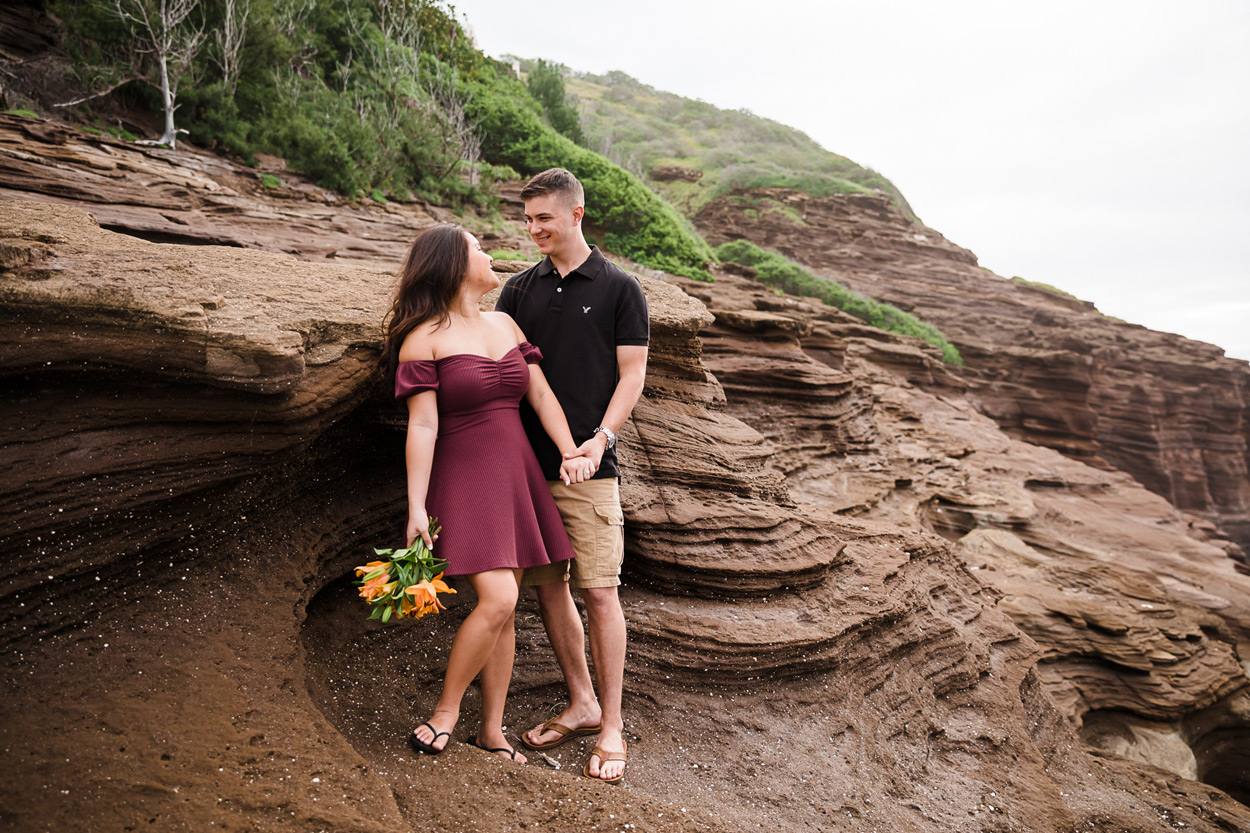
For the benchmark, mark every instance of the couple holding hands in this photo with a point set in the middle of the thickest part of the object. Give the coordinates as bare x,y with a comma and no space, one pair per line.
526,495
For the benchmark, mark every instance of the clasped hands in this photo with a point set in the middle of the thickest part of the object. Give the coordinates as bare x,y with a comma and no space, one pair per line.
581,464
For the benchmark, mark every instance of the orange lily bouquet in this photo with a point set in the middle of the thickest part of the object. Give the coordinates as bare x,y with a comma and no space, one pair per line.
406,584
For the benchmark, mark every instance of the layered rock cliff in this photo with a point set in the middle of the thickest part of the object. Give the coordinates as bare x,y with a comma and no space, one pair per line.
200,198
1140,615
1048,368
854,602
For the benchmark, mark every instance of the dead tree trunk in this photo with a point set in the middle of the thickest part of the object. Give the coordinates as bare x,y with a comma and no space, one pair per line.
170,137
160,28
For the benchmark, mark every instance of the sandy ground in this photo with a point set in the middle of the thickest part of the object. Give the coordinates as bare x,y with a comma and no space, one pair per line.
197,695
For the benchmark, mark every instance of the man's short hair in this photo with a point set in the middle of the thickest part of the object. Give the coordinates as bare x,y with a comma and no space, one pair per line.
555,181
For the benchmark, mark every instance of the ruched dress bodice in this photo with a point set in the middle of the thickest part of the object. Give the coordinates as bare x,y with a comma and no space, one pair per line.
486,487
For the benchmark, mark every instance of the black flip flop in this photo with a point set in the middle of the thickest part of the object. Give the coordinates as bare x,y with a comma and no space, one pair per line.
427,748
473,742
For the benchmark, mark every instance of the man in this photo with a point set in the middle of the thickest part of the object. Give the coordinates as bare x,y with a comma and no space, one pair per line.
589,319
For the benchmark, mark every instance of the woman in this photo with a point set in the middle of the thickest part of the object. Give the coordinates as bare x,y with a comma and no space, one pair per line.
463,372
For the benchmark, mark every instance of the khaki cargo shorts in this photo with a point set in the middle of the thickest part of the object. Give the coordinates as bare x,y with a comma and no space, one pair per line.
596,527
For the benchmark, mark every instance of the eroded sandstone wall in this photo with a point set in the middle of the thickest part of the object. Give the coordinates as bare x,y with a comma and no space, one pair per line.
829,628
1047,368
1142,618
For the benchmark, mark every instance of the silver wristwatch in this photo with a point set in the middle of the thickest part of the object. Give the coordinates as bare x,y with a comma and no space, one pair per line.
611,437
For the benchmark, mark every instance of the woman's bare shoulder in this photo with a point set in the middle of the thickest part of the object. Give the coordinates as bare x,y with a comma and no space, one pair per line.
505,324
418,345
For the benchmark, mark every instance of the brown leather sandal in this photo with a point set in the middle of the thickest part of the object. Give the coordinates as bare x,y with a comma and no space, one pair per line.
604,757
564,731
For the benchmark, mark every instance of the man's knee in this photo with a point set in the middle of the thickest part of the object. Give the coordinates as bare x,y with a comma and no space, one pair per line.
601,601
552,595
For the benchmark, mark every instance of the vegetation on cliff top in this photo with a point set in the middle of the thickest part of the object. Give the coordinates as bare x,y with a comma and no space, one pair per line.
387,99
644,129
380,98
776,271
624,214
1045,286
545,81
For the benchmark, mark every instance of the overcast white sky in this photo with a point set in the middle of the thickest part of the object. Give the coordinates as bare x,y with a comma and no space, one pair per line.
1102,147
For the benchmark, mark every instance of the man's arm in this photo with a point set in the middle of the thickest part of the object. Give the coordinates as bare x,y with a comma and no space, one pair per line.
631,364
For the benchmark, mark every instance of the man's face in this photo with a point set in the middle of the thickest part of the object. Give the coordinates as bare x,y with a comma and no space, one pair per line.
552,222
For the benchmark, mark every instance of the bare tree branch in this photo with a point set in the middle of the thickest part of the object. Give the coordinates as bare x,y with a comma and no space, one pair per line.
105,92
230,39
460,134
292,18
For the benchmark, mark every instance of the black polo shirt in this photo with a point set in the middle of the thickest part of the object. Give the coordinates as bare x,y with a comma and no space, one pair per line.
577,321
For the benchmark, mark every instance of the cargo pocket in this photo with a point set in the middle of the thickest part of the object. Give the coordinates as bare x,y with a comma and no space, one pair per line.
610,513
609,539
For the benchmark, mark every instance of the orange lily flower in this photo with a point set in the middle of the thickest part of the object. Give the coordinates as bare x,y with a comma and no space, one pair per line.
377,587
384,583
440,585
425,595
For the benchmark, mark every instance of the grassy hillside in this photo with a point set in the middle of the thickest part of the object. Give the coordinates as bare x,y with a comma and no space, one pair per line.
781,273
394,101
376,100
691,152
644,130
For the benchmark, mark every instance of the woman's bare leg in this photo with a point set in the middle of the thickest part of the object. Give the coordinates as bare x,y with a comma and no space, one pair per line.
474,644
496,677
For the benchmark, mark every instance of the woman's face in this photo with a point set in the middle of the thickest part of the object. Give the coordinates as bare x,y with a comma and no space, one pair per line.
479,274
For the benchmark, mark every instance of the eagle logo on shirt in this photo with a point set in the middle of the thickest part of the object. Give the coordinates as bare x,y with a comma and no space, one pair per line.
585,310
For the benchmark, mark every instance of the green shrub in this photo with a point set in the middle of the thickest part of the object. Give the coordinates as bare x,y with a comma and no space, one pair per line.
776,271
377,195
753,207
508,254
121,133
763,175
628,216
545,82
492,174
270,181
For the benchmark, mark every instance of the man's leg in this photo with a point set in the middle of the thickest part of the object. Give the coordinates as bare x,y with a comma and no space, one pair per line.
597,575
607,648
560,616
564,628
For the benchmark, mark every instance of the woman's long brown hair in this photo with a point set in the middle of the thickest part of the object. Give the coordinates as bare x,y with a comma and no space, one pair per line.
428,284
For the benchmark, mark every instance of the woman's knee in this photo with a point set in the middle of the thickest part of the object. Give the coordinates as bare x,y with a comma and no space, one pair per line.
497,594
496,610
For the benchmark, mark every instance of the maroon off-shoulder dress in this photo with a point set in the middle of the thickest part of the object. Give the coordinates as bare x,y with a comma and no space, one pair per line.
486,487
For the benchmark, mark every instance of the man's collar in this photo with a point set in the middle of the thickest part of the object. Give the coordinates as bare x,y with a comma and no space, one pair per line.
590,267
